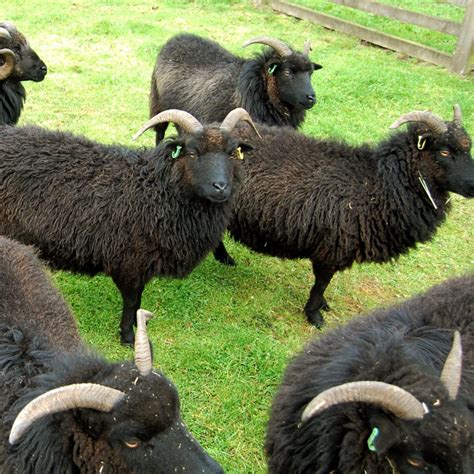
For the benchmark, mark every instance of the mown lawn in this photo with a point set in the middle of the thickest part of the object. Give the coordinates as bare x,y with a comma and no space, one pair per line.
224,335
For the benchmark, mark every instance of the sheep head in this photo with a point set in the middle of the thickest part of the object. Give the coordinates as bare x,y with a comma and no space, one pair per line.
288,73
405,434
206,156
447,146
125,418
18,61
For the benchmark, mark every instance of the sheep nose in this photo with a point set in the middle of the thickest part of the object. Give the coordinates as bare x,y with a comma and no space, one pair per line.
43,68
221,186
311,98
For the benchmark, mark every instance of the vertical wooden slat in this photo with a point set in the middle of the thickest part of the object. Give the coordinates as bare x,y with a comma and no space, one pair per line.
463,56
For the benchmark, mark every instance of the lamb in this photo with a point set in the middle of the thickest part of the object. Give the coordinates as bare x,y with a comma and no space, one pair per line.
201,77
338,204
132,214
383,394
72,411
18,62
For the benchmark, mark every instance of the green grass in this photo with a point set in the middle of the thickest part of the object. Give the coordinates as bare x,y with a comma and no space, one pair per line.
224,335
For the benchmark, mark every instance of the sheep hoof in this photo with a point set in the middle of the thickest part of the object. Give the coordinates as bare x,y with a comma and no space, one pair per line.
314,317
127,339
221,255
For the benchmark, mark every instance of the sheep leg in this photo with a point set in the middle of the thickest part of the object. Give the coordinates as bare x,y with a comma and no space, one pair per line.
131,297
221,255
316,301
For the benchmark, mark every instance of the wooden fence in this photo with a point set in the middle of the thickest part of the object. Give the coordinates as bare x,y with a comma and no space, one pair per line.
461,61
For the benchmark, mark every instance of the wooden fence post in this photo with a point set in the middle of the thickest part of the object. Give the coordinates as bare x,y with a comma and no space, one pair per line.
463,55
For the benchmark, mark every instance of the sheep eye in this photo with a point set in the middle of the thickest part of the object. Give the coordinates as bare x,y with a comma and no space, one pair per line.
418,463
444,153
132,444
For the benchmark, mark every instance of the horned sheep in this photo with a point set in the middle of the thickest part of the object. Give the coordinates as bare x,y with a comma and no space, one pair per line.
18,63
389,392
200,76
338,204
70,411
130,213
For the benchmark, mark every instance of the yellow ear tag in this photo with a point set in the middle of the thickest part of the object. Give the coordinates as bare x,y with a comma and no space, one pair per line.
421,142
240,154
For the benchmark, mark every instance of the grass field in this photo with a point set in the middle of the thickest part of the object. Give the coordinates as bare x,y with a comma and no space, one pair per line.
224,335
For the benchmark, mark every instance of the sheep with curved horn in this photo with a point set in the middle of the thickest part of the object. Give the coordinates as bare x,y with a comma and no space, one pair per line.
132,214
389,392
67,410
200,76
338,204
18,63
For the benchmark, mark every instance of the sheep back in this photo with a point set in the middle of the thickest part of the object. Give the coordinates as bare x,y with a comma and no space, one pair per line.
29,299
201,65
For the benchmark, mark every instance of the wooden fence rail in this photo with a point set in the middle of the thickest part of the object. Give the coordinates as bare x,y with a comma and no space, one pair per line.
461,61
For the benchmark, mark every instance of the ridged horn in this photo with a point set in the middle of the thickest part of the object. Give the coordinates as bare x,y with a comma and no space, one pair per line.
451,373
389,397
234,117
9,57
457,116
281,48
307,47
4,33
184,119
82,395
435,124
143,359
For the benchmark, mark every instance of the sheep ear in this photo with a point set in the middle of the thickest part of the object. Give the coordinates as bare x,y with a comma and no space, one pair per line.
383,436
316,66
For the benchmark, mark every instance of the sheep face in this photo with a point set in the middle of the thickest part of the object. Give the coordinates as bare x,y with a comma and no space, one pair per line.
140,432
292,76
439,443
210,163
27,64
448,158
145,431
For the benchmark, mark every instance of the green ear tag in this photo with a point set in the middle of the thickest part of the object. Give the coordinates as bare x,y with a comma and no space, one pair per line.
371,439
421,143
175,153
271,69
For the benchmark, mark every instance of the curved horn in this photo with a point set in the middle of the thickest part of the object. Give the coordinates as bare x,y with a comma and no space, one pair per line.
179,117
4,33
435,124
143,359
281,48
457,119
451,373
389,397
81,395
307,47
9,57
234,117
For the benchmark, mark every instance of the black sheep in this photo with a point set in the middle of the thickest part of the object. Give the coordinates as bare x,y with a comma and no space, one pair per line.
382,395
338,204
199,76
132,214
71,411
18,62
